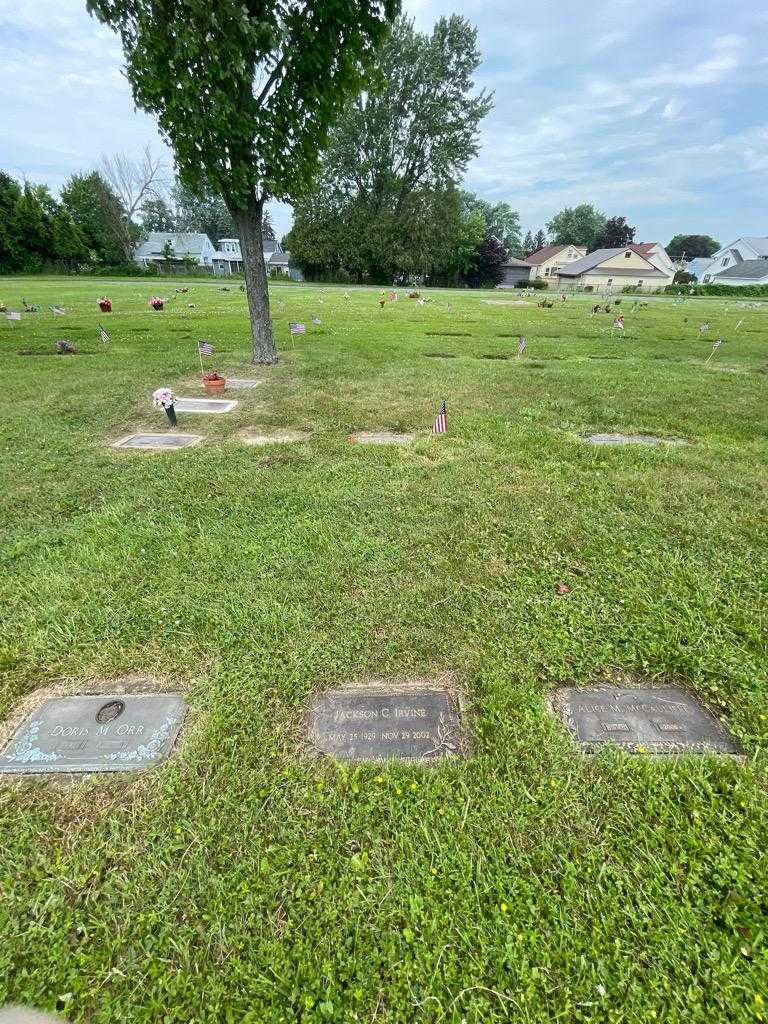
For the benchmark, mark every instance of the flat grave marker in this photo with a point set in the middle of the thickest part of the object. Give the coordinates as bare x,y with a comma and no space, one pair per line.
157,441
377,722
95,733
274,437
243,383
204,405
379,437
654,720
618,439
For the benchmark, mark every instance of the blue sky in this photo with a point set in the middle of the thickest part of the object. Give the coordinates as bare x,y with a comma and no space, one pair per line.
657,111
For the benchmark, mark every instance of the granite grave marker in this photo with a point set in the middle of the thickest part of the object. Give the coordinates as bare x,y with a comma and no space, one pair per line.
375,722
206,405
95,733
660,720
149,441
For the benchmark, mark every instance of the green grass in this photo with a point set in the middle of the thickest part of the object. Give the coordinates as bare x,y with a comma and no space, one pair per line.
240,882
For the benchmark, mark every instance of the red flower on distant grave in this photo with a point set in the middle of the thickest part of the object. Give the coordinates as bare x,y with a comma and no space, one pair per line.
105,304
561,589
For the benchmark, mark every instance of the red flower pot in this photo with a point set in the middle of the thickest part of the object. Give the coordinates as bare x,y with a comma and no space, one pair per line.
215,387
105,305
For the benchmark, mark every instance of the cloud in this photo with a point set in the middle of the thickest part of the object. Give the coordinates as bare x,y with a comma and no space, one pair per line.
671,111
725,58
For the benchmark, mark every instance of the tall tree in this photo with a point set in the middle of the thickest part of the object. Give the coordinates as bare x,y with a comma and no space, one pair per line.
396,150
539,240
133,181
68,244
690,246
12,241
203,210
98,213
246,92
528,245
156,215
578,225
501,222
489,258
616,233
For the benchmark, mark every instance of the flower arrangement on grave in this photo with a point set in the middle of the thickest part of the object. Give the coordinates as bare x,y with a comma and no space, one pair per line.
214,383
105,304
164,398
156,302
413,295
65,348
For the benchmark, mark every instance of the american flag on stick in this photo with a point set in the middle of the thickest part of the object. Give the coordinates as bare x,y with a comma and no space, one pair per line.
58,310
521,346
297,328
103,334
205,348
440,425
715,346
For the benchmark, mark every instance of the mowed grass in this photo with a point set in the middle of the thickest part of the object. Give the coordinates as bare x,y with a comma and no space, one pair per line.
242,882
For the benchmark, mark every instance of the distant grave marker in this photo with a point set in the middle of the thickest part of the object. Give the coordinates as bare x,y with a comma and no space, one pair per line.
274,437
658,720
618,439
204,405
379,437
379,722
158,441
242,383
102,733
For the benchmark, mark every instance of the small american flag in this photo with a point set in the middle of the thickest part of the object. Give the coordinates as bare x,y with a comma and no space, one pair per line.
103,334
58,310
521,345
297,328
205,348
440,425
10,315
316,321
738,325
704,327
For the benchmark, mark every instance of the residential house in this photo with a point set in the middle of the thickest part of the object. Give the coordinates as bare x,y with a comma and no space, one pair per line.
743,250
613,269
746,272
160,248
656,254
515,272
547,262
699,266
228,259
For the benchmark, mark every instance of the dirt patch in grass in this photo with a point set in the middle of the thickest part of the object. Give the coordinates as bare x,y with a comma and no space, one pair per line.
379,437
439,355
447,334
62,355
256,437
493,355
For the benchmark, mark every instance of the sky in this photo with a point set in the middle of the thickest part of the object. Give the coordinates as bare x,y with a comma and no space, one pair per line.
656,111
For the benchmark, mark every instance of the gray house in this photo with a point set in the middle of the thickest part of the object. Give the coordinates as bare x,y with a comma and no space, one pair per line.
228,259
746,272
157,246
515,272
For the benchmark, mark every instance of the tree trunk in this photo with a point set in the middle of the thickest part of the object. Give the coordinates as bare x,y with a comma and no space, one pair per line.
248,224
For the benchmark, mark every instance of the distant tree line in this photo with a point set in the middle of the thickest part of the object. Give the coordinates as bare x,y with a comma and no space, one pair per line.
100,217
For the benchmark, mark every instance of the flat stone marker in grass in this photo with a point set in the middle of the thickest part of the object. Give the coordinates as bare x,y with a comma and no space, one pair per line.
617,439
205,405
379,437
376,722
658,720
243,383
103,733
273,437
157,441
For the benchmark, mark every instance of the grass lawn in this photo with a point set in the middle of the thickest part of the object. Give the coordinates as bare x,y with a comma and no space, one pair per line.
242,882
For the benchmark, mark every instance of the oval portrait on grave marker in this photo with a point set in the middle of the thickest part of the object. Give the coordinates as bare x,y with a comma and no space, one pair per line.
110,711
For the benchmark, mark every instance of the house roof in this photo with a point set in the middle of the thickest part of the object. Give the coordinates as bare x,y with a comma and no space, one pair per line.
542,255
279,257
750,270
643,248
193,242
592,262
512,262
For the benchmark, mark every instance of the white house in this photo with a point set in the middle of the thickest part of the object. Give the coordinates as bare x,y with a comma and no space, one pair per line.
548,262
613,269
744,250
161,247
658,256
746,272
228,259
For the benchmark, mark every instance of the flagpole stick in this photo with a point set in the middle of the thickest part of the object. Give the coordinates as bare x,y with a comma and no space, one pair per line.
200,355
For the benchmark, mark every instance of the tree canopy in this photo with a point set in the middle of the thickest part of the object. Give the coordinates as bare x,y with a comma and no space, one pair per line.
616,233
578,225
386,195
691,246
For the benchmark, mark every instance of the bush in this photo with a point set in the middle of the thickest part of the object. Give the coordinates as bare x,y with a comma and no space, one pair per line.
536,283
752,291
683,277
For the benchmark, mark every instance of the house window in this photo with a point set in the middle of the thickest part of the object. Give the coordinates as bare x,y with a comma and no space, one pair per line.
610,281
546,272
725,261
628,254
